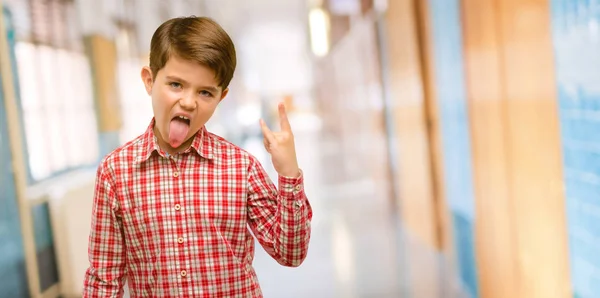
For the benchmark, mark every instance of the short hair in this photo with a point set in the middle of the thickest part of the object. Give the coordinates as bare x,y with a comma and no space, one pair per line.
198,39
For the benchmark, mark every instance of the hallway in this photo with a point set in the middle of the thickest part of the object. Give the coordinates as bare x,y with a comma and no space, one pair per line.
450,148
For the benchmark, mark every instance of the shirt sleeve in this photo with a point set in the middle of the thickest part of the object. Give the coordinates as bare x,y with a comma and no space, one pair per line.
105,276
280,219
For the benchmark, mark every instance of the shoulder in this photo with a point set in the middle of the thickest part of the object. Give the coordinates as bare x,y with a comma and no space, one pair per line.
121,158
226,150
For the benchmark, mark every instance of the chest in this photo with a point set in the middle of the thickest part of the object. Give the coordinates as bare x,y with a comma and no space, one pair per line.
196,191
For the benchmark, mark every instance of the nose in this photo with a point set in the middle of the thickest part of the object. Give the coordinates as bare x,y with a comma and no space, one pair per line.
187,102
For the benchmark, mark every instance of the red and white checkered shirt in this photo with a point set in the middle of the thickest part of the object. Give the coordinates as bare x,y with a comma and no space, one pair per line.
177,226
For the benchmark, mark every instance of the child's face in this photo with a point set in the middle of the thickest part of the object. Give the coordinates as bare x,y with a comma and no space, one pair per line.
184,95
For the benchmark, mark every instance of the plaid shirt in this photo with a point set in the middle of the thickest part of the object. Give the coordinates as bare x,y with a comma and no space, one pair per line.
177,226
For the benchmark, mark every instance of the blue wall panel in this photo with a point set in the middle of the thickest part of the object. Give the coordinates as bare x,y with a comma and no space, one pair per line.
576,39
13,278
454,126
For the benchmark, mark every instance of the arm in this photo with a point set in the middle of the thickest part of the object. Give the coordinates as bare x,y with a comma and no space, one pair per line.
280,220
106,275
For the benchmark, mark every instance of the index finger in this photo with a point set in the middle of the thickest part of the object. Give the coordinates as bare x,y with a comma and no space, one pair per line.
284,122
268,134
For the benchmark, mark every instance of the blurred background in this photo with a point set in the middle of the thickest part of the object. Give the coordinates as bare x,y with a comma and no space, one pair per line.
451,148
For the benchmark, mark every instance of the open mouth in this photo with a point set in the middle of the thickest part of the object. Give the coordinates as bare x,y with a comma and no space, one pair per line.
178,130
183,119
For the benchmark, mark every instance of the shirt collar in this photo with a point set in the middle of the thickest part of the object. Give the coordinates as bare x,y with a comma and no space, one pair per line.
202,144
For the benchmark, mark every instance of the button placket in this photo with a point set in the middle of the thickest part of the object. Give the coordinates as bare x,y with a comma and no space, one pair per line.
180,191
175,162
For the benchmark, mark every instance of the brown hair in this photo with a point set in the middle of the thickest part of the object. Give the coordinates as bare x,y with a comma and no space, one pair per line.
198,39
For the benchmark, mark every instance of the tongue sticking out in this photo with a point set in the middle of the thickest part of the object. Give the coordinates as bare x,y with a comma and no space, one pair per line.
178,130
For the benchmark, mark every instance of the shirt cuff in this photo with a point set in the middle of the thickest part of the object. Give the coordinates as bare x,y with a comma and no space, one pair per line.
290,188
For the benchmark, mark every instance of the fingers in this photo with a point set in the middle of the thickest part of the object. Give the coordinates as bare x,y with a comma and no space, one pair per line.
267,132
283,119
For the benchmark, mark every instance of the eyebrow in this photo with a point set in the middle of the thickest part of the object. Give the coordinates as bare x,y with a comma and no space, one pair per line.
208,88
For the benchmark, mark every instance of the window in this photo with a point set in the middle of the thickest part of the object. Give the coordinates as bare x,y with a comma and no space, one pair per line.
58,109
56,95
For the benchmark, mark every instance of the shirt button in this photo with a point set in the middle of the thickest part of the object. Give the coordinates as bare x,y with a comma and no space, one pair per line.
176,174
183,273
298,187
180,240
177,207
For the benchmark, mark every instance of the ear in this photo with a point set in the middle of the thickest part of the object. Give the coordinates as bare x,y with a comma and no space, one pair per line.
147,79
224,93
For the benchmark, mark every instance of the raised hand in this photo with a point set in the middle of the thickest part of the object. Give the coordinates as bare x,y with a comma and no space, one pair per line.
281,145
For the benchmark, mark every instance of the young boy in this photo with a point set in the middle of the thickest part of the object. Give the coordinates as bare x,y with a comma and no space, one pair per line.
173,206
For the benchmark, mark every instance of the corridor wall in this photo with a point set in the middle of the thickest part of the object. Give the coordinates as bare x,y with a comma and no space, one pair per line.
420,206
414,185
476,120
474,115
